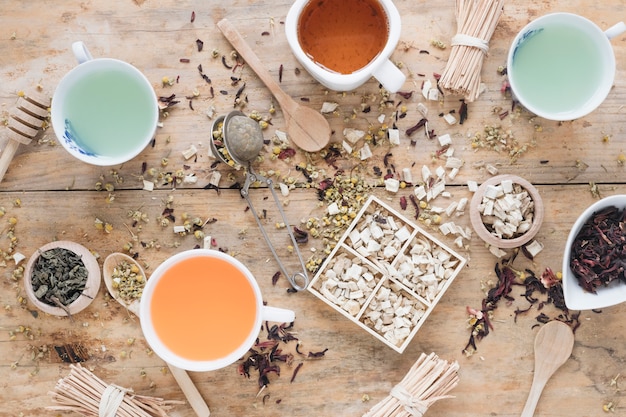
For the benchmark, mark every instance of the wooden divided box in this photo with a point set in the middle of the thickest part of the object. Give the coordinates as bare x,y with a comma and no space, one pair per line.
386,274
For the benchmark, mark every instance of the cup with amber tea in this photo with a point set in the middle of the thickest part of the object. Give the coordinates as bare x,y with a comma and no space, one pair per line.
342,44
62,278
594,258
202,309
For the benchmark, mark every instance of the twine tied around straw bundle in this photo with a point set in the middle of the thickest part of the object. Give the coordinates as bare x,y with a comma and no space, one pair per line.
461,39
429,380
476,22
112,398
414,406
83,392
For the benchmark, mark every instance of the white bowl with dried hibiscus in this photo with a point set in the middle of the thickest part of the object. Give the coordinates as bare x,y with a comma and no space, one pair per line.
594,262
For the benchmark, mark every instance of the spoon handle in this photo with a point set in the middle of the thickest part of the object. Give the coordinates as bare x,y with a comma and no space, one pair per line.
234,37
191,391
533,397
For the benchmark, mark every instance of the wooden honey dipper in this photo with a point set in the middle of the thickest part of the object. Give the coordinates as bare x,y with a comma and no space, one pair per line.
25,122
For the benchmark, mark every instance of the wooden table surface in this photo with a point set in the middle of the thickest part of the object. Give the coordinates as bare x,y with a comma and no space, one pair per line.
53,196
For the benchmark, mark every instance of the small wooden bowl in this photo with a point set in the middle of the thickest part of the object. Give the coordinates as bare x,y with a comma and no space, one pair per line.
484,233
91,288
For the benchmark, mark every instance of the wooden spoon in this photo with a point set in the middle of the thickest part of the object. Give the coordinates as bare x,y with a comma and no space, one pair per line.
307,128
180,375
553,346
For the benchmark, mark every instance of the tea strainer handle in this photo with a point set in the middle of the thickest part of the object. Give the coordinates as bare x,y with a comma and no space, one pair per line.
299,280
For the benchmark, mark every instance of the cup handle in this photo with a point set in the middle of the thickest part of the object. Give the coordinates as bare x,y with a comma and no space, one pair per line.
81,52
280,315
390,76
615,30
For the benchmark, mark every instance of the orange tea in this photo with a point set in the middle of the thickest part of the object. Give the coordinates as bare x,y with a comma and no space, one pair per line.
343,35
203,308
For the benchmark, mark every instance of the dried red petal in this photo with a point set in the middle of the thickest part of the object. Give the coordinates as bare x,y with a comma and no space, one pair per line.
287,153
403,203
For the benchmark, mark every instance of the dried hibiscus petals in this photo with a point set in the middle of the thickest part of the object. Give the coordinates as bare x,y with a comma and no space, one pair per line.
598,252
267,356
538,292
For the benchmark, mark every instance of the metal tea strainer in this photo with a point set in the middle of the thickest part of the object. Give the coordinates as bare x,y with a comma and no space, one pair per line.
240,143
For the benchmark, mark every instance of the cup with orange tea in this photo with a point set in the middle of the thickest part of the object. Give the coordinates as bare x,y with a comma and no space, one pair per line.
202,309
342,44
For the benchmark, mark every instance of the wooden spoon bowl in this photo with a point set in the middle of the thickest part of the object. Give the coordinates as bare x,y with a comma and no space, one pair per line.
307,128
553,346
108,270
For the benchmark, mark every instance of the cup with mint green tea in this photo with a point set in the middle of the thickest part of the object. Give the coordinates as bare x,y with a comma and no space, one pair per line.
104,111
561,66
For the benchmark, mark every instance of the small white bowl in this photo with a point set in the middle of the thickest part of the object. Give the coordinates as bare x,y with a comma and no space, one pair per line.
91,287
576,298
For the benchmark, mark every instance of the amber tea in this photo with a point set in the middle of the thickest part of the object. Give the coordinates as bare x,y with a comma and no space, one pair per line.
343,36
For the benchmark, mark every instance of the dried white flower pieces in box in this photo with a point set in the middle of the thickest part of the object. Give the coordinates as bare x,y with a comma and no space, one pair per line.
386,274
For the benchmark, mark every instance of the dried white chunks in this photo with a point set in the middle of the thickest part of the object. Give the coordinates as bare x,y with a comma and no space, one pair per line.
393,313
347,282
507,210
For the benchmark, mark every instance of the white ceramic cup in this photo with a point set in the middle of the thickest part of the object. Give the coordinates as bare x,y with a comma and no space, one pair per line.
104,111
553,70
263,313
381,68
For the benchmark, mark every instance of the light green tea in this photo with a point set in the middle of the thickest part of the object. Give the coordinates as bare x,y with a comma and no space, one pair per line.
557,69
109,112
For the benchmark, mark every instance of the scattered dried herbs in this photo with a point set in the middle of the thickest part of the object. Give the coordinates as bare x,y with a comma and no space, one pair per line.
538,291
59,277
286,153
301,236
403,203
463,112
266,357
500,140
598,252
275,277
225,63
416,127
167,102
317,354
295,372
416,205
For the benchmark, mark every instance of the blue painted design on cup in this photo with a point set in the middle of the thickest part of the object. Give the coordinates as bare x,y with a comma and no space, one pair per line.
72,140
527,35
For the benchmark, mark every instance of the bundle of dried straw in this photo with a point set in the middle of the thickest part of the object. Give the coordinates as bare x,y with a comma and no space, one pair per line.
476,22
428,380
83,392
